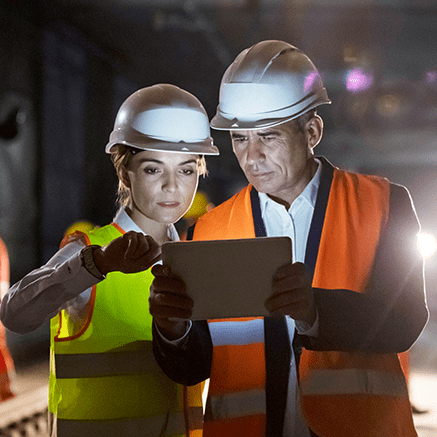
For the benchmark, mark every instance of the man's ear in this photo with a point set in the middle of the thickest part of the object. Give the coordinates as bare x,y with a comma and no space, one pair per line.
314,131
124,176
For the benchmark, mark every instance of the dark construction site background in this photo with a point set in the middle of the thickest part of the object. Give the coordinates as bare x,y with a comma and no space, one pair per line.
67,65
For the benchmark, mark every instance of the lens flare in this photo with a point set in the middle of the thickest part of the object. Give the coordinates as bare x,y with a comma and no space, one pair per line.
427,244
358,80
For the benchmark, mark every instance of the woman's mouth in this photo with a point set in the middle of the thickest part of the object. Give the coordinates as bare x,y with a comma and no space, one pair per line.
169,204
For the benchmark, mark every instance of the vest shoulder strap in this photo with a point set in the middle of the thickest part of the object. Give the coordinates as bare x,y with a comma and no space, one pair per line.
230,220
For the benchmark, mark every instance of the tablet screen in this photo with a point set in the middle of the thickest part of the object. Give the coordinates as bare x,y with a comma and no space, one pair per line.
228,278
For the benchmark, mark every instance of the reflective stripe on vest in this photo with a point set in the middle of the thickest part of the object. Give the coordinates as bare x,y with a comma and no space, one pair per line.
233,405
356,214
106,364
104,376
354,381
150,427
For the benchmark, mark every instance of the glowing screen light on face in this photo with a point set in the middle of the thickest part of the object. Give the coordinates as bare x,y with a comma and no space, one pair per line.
427,244
357,80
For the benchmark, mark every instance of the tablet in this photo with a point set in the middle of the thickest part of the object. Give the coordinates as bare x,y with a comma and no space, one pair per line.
228,278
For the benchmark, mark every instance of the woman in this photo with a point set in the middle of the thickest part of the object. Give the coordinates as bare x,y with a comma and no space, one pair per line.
104,379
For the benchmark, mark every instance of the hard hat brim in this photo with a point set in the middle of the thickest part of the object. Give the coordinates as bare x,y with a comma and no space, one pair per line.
205,147
251,121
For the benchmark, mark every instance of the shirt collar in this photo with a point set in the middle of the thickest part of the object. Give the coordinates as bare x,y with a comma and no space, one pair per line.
123,220
309,194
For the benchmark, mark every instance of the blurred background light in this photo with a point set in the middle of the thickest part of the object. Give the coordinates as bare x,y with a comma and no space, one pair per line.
357,80
427,244
431,76
389,105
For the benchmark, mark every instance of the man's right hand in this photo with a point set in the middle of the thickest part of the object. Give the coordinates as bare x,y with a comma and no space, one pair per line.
169,301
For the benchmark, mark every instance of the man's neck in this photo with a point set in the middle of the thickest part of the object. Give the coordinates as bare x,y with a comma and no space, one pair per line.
287,197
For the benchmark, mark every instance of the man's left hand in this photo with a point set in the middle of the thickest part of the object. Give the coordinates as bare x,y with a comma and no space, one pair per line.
293,294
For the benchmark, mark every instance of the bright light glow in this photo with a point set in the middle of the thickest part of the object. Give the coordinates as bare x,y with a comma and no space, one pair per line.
357,80
431,76
427,244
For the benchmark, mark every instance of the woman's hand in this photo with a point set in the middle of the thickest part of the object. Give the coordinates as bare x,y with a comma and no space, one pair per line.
133,252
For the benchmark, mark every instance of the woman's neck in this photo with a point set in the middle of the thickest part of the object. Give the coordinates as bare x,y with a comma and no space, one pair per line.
158,231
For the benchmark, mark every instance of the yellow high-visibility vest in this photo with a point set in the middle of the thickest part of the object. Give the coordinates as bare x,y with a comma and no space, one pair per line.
104,379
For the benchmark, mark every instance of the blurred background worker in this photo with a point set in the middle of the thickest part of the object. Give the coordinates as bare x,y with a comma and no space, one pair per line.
104,379
83,226
353,296
200,206
6,363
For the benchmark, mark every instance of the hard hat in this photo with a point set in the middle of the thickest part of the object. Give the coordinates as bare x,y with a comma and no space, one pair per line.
268,84
163,117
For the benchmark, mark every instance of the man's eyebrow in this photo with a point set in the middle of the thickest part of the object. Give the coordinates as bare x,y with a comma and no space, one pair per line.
268,132
237,135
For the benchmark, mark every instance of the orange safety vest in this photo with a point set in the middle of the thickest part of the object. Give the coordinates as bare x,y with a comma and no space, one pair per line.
348,394
6,363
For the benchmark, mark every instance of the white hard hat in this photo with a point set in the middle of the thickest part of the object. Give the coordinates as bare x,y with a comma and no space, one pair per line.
163,117
268,84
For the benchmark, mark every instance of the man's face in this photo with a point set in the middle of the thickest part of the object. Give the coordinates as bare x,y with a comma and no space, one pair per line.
276,161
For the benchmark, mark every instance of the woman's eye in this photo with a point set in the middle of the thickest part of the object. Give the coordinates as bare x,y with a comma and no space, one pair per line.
151,170
187,171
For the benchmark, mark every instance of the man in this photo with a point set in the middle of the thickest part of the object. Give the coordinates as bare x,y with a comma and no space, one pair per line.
353,298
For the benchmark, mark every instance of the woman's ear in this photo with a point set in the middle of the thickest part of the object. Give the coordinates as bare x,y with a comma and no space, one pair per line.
314,129
124,176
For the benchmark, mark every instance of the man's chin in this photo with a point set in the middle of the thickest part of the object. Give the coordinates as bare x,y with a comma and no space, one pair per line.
261,186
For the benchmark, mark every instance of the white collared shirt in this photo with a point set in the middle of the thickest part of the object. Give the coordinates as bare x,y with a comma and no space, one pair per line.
294,223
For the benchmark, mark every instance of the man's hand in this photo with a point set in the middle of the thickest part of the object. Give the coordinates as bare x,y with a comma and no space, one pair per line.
131,253
293,294
169,300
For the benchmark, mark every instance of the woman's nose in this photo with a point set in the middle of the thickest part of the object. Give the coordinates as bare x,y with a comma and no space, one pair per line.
170,183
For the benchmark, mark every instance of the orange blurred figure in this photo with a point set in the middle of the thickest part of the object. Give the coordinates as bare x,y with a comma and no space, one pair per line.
6,363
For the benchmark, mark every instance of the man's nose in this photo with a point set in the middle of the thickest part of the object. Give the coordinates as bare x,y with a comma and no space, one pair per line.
255,151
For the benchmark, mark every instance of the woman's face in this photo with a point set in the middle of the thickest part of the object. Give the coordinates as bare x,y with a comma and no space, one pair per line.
162,185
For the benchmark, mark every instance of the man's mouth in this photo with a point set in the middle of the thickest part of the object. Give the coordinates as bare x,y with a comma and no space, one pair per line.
261,174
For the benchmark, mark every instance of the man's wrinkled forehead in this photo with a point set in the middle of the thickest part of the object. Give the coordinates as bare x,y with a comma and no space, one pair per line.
264,132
